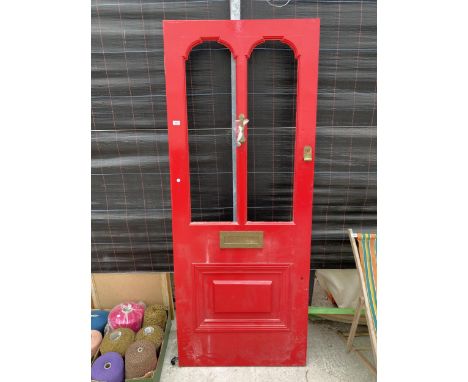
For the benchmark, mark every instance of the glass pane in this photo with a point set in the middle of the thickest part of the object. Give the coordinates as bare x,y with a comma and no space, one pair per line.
208,81
271,132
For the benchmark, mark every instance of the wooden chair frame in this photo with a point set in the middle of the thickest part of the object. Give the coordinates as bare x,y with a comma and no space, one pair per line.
363,301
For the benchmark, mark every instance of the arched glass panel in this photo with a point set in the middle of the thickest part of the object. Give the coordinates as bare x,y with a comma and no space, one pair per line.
208,82
271,132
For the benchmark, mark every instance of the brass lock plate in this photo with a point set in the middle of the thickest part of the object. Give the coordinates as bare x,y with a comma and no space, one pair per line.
307,154
241,239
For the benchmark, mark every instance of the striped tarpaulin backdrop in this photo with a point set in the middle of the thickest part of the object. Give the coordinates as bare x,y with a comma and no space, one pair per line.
131,207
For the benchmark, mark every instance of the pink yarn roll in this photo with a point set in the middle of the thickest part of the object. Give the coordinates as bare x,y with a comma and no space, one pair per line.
96,338
127,315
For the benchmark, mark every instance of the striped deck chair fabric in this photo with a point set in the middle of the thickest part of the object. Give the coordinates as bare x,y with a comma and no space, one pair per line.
368,257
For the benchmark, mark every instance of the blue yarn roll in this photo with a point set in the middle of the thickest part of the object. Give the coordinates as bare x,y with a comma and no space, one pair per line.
99,319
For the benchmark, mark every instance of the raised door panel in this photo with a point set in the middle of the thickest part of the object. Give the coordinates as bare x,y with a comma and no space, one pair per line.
247,297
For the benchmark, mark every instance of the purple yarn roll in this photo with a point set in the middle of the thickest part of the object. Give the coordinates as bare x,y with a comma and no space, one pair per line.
108,367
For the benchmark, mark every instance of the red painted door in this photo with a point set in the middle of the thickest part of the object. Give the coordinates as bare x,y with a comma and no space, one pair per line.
242,286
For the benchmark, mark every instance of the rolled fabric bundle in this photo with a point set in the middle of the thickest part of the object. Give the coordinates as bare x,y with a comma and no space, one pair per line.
140,359
118,341
99,319
127,315
96,338
151,333
108,367
155,315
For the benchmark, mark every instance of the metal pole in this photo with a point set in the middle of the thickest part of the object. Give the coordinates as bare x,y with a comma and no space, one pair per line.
235,15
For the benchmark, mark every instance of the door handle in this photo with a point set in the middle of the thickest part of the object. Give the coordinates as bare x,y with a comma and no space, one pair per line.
241,123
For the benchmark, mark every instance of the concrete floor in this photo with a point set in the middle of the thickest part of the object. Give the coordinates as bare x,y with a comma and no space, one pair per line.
327,361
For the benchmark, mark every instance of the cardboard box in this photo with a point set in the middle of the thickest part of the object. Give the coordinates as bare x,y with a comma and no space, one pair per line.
110,289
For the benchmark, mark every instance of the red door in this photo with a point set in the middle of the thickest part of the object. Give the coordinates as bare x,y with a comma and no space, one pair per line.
241,286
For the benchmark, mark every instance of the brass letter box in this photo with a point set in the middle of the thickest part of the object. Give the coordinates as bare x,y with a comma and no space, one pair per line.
241,239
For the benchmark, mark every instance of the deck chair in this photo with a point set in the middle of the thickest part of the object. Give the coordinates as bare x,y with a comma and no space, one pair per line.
365,254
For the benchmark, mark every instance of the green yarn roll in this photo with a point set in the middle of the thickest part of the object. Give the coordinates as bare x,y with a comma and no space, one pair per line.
158,307
155,315
117,340
151,333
